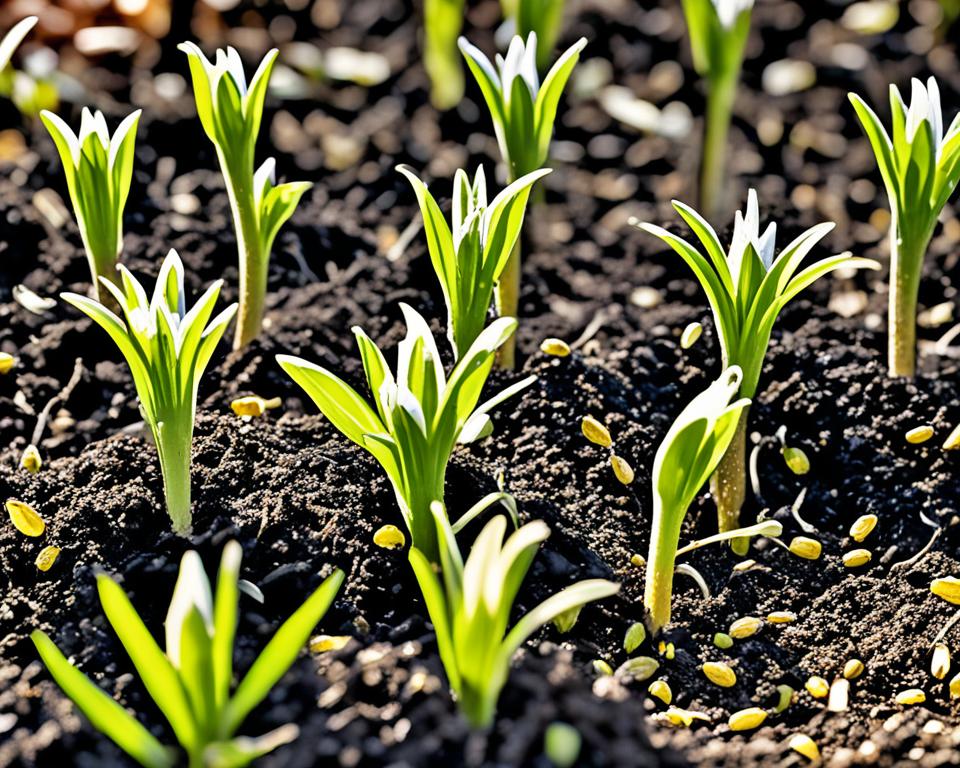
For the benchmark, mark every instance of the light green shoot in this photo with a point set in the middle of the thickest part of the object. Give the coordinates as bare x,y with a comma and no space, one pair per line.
718,35
420,414
747,287
167,350
230,111
469,257
190,681
11,41
688,455
442,22
543,17
470,608
920,166
523,113
99,170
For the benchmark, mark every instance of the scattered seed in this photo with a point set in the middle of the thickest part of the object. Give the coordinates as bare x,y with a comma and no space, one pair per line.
807,548
690,335
324,643
389,537
253,405
667,650
781,617
744,565
796,460
641,668
621,469
722,640
747,719
30,459
817,687
856,557
839,695
682,717
745,627
955,687
555,347
638,560
919,434
940,664
947,587
47,557
720,674
660,689
645,297
25,518
7,362
636,634
601,667
567,620
862,527
806,746
911,696
785,693
952,442
853,669
562,744
596,432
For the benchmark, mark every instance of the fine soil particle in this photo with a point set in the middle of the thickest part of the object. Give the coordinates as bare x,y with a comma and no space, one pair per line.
301,499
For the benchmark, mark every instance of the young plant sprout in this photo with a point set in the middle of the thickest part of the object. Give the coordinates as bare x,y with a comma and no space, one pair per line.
420,414
469,257
470,609
11,41
688,455
747,287
542,17
442,22
523,113
167,349
920,166
99,170
190,680
230,111
718,35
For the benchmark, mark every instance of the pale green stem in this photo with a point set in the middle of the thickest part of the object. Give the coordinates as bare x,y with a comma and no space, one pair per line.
728,485
173,443
478,705
442,21
419,518
508,305
658,589
721,93
906,266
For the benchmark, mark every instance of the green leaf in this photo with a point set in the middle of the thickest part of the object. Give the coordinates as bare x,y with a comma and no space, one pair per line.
225,607
437,609
549,96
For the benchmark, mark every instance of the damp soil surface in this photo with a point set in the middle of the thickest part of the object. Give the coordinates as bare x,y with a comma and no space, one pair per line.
301,499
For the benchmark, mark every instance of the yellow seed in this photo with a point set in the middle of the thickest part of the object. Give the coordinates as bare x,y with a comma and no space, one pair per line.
682,717
636,634
781,617
690,335
639,668
30,459
947,587
252,405
324,643
660,689
817,687
621,469
744,565
555,347
596,432
638,560
806,746
745,627
797,460
785,693
839,695
720,674
601,667
47,557
807,548
919,434
853,669
911,696
667,650
747,719
940,664
7,361
722,640
955,687
389,537
856,557
952,442
25,518
862,527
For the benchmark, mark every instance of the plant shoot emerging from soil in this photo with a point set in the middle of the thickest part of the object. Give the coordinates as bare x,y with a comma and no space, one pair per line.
420,414
190,680
470,607
99,169
747,287
920,166
442,22
523,113
230,111
688,455
470,255
167,349
718,35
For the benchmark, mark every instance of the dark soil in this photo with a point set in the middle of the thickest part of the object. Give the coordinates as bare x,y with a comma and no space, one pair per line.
301,499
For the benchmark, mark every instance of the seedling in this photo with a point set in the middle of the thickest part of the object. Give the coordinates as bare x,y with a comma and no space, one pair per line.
442,22
190,680
920,166
688,455
470,255
747,287
11,41
420,414
230,111
523,114
167,349
542,17
718,35
99,170
470,608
